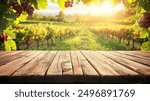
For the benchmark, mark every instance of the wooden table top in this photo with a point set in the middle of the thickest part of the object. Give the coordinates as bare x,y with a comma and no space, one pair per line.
75,67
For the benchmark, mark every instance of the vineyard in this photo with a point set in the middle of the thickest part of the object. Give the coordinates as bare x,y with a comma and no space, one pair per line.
49,36
49,33
127,35
22,29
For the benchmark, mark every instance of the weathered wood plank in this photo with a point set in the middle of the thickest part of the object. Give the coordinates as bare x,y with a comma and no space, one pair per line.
77,70
90,74
132,54
11,67
8,54
137,67
129,75
75,67
2,53
136,59
66,66
146,54
54,73
105,70
10,57
35,70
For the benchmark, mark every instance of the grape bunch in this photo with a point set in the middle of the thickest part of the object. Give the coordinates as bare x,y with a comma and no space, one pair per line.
3,38
27,7
17,7
145,20
69,3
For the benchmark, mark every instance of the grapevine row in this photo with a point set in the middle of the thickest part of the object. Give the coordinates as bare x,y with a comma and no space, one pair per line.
124,34
27,34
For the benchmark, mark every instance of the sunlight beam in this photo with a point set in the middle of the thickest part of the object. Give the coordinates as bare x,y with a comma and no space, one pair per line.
82,9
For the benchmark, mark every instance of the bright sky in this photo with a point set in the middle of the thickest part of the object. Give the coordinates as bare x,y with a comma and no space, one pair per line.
105,8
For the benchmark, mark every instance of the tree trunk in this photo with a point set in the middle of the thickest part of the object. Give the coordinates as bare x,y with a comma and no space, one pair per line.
47,43
18,47
52,41
37,44
133,44
128,43
27,46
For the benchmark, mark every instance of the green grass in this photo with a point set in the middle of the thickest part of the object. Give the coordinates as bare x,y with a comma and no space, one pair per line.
86,40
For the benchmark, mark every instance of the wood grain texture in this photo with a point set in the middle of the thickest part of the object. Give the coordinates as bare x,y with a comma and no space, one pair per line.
77,70
54,73
89,73
128,74
105,70
11,67
36,68
134,58
10,57
75,67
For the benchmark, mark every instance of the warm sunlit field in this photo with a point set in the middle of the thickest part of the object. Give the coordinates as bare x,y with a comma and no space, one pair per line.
96,26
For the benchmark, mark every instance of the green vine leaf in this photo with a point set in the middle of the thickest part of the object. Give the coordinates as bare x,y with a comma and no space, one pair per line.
61,4
10,45
10,32
144,33
42,4
145,46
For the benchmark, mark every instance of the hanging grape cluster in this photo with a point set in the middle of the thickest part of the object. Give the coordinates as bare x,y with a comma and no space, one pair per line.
3,38
69,3
145,20
24,6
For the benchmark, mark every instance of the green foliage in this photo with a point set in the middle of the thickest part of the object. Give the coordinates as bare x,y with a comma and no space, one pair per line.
20,34
144,33
42,4
145,46
8,17
145,4
10,45
84,39
39,32
28,35
61,3
10,32
21,18
124,34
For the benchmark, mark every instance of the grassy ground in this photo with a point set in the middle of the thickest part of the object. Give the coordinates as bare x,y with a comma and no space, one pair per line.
86,40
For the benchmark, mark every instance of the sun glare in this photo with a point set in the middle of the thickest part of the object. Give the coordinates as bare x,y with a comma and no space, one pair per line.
105,8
